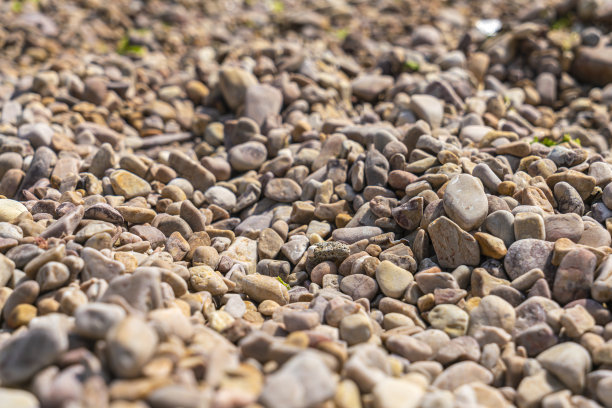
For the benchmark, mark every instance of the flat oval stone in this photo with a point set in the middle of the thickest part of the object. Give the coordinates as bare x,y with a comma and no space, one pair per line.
354,234
128,184
10,209
283,190
465,202
247,156
527,254
453,246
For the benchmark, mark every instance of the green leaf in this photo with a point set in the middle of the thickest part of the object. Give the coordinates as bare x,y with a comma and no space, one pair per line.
342,33
277,6
125,48
16,6
412,65
562,23
283,282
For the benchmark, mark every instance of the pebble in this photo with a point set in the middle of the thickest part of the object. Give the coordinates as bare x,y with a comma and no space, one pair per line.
283,190
128,185
450,319
465,202
10,209
569,362
247,156
16,362
454,247
317,218
306,380
130,345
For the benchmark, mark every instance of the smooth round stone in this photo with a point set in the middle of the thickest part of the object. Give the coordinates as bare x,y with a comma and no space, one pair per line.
454,247
221,196
247,156
529,225
355,328
568,199
38,134
128,184
261,287
45,341
94,320
462,373
359,286
450,319
8,230
428,108
354,234
465,202
574,276
527,254
130,345
501,225
559,226
283,190
18,398
492,311
8,161
52,275
10,209
370,87
569,362
392,279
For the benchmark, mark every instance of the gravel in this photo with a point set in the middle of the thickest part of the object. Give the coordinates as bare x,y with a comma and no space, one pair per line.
305,204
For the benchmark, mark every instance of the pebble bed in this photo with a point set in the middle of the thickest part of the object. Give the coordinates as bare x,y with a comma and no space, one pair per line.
305,204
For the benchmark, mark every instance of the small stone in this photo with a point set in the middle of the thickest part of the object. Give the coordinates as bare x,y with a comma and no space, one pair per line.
453,246
490,245
428,108
10,209
247,156
18,398
501,225
354,234
529,226
492,311
574,276
262,101
204,278
392,279
283,190
306,382
52,275
45,342
465,202
462,373
221,196
38,134
576,321
449,318
528,254
359,286
130,345
559,226
234,83
260,288
129,185
94,320
355,328
569,362
370,87
393,392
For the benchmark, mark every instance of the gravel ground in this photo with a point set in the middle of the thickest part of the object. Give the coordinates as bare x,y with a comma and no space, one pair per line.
305,204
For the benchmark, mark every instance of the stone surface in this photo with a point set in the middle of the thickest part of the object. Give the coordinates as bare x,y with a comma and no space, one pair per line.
453,246
465,202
